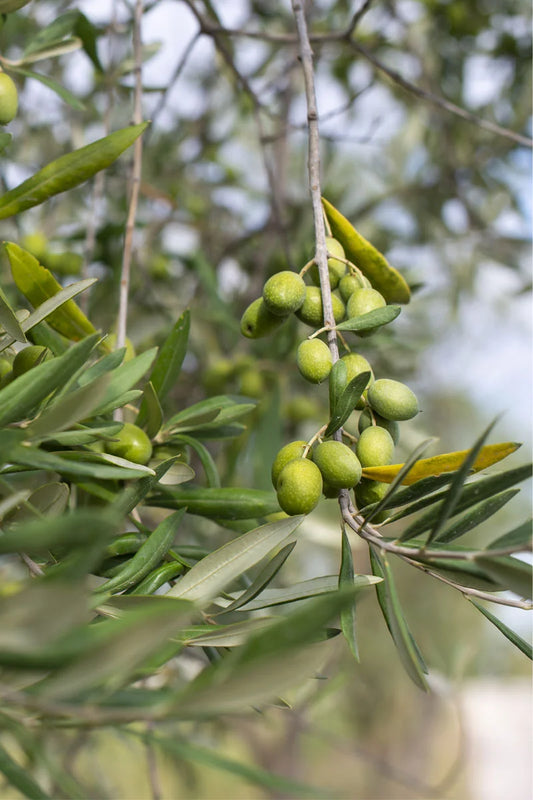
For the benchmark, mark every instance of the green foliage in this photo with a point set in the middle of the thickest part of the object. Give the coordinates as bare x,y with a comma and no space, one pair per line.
117,574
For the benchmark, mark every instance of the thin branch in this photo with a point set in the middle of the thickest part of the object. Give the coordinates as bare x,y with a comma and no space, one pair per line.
153,767
321,254
135,181
175,77
437,100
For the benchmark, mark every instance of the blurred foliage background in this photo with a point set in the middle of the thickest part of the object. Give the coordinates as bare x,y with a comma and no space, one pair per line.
224,204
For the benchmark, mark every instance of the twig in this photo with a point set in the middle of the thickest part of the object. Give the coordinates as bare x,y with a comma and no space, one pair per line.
437,100
175,77
321,254
34,568
135,181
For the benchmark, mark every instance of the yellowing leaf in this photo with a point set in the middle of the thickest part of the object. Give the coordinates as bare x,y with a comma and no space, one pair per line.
446,462
364,255
38,284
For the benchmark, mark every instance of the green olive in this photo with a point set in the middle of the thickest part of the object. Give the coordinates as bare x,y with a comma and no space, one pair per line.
392,400
368,492
284,293
311,311
375,447
350,283
5,367
301,408
364,300
314,360
130,443
369,417
251,383
258,321
217,375
339,466
8,99
355,365
336,267
287,453
29,357
299,486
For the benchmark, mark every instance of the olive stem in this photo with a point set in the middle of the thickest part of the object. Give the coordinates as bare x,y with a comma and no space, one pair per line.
313,164
313,439
306,267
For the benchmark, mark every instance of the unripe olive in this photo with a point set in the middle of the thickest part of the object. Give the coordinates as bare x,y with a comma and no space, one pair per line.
375,447
284,293
367,492
311,311
314,360
368,417
301,408
130,443
364,300
36,243
299,486
350,283
251,383
355,365
336,268
338,464
217,374
330,492
8,99
392,400
258,321
5,367
29,357
287,453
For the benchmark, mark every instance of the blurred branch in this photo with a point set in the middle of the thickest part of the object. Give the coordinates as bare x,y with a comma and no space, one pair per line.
175,77
135,181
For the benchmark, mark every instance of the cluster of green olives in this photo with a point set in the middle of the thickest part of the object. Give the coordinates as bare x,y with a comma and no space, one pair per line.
304,471
9,100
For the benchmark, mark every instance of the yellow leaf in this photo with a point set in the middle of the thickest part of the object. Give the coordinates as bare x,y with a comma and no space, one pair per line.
446,462
364,255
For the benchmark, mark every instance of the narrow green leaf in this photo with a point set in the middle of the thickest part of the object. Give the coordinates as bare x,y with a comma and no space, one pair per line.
347,401
20,778
86,31
266,575
7,6
302,590
204,411
214,572
518,536
210,469
371,320
337,384
68,171
147,556
124,377
69,98
25,393
223,635
9,321
58,29
275,784
226,503
73,462
167,366
49,500
453,494
107,363
153,419
396,623
346,578
67,410
512,573
38,285
38,536
478,514
472,493
136,492
513,637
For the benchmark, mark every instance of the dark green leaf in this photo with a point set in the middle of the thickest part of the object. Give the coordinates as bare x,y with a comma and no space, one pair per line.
347,401
68,171
136,492
69,530
167,366
227,503
513,637
266,575
124,377
516,537
337,384
512,573
20,778
346,578
478,514
67,410
153,419
303,590
396,623
86,31
472,493
9,321
371,320
210,469
25,393
81,462
53,33
448,505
